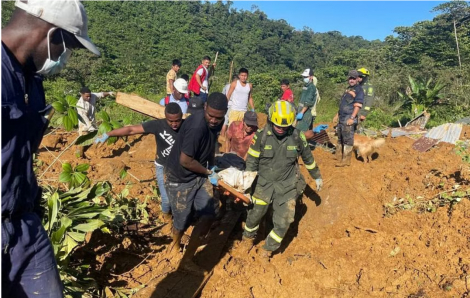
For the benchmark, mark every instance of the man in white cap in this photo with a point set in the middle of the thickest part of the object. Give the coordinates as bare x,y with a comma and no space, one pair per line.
37,41
307,102
179,90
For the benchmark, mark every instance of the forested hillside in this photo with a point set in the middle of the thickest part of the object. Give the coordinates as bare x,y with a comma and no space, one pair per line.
138,40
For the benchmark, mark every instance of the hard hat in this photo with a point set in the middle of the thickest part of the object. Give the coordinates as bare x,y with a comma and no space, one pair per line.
363,71
181,85
282,113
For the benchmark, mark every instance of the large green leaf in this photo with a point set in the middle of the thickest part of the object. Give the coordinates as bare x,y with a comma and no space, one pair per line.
66,167
79,237
53,207
65,177
82,167
58,106
68,246
68,124
90,226
103,115
73,116
87,139
79,178
71,101
104,128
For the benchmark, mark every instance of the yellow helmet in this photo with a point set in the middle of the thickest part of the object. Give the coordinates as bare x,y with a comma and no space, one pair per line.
364,71
282,113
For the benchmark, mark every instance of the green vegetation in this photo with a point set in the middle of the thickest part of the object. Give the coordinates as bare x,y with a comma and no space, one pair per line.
138,41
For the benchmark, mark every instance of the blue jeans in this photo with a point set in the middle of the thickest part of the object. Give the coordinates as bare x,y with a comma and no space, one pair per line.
29,268
161,186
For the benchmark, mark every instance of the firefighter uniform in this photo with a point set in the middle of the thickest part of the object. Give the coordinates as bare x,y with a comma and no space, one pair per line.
279,181
307,99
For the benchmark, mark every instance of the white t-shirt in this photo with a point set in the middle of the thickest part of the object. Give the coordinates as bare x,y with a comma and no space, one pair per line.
205,83
86,110
240,96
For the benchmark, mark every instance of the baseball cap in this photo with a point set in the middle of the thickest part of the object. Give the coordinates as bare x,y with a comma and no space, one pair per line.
195,104
250,118
181,85
353,74
307,72
69,15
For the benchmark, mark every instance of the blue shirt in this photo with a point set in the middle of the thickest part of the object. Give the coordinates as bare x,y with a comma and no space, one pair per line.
182,103
23,124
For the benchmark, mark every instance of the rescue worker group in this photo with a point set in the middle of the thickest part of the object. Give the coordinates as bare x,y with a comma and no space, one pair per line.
37,42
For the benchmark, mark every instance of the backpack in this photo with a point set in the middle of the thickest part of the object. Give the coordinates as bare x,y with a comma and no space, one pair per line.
193,84
167,100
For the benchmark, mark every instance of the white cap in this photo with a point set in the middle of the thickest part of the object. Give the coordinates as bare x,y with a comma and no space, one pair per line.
307,73
69,15
181,85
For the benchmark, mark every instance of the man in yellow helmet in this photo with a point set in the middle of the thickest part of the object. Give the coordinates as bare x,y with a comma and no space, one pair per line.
368,97
274,153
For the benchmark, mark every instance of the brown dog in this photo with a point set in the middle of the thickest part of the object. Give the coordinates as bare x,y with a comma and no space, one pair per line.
366,146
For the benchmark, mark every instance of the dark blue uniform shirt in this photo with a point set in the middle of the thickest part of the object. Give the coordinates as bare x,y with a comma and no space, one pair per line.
23,123
351,96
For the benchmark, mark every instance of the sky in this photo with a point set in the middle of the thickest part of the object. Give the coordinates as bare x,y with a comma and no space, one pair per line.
369,19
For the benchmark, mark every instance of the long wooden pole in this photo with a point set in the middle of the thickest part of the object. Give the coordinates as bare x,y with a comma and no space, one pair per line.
231,72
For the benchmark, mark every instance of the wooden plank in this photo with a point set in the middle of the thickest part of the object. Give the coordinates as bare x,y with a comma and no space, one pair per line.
142,105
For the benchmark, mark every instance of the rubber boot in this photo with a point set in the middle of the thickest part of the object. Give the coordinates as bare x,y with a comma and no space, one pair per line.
346,160
339,152
175,243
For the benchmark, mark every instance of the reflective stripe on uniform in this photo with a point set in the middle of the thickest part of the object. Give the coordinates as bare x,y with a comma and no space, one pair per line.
253,153
258,201
367,108
275,236
312,166
251,230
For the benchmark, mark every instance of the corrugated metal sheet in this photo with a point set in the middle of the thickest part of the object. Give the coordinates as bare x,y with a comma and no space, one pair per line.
448,133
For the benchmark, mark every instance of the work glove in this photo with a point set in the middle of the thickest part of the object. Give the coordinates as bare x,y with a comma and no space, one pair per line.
214,177
320,128
299,116
252,110
102,139
319,183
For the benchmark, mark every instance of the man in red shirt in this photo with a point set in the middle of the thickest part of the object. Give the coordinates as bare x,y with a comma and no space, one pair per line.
240,134
287,95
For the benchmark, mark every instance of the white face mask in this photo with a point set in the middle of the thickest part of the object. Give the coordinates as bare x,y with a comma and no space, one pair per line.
51,67
306,80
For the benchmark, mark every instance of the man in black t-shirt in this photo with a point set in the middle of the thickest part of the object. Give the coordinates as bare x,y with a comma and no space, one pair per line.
165,132
188,174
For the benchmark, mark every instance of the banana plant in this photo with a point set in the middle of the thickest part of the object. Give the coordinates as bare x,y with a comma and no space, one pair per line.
66,107
420,95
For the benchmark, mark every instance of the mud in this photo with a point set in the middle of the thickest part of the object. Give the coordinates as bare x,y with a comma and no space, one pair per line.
341,244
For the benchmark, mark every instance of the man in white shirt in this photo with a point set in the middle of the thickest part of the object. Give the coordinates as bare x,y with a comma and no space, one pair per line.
86,113
86,109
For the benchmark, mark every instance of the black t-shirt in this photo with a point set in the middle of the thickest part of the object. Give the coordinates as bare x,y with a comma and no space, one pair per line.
194,139
165,138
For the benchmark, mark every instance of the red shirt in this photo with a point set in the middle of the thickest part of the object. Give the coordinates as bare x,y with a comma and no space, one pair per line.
288,95
239,141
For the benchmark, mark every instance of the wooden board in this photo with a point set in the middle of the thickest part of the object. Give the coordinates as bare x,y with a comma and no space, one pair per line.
142,105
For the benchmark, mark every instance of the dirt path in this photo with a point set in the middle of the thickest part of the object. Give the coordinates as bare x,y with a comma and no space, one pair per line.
341,244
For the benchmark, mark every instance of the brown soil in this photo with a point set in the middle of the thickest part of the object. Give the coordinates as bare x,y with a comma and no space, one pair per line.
342,243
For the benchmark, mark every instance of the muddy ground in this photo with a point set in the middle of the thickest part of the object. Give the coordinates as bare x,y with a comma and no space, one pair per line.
343,243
